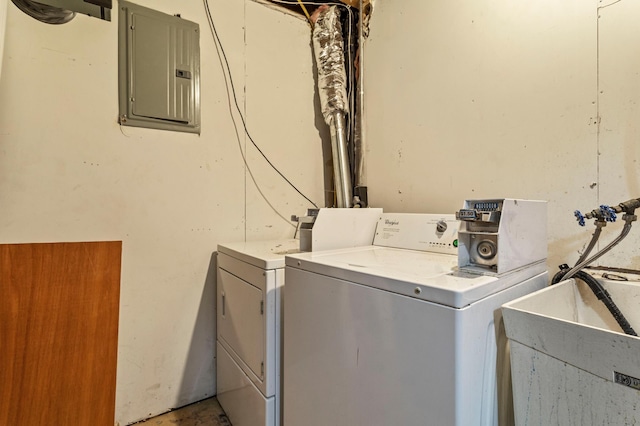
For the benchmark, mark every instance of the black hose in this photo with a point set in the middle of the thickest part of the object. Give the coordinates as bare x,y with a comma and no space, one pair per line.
564,268
601,293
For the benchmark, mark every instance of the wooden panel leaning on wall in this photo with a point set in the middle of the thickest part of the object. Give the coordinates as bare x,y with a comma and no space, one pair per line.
59,333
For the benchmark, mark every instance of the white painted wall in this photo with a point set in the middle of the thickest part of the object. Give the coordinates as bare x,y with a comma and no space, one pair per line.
468,98
3,24
281,105
68,172
619,110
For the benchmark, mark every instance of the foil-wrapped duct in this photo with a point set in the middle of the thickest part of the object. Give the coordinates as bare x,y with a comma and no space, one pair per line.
328,47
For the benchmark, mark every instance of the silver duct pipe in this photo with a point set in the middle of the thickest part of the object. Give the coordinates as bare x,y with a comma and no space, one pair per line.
341,172
328,47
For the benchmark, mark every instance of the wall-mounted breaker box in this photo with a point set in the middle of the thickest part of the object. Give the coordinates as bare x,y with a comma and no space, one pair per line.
159,70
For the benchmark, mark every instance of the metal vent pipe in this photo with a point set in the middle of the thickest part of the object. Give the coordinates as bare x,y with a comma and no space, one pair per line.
328,48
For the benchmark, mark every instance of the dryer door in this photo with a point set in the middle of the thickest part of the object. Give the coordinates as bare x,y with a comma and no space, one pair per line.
241,320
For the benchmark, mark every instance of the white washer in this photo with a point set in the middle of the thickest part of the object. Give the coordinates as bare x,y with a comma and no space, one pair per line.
250,280
249,310
379,335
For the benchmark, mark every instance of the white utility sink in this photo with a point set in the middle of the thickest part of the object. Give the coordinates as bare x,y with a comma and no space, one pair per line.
571,363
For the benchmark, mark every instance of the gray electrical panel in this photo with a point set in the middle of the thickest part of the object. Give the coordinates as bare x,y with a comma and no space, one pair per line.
159,70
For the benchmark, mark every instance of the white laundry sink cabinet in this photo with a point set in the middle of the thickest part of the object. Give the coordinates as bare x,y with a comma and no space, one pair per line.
571,363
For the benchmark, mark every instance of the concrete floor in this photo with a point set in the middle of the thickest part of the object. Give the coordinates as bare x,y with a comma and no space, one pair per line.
207,412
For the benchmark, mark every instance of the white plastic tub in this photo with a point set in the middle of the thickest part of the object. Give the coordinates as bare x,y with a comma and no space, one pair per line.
571,363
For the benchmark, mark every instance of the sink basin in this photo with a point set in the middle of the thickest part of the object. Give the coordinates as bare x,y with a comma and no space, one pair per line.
571,363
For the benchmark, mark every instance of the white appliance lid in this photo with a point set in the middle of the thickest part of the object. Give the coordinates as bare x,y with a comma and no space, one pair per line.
427,276
262,254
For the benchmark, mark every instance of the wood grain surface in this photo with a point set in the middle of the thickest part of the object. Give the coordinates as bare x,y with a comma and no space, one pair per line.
59,333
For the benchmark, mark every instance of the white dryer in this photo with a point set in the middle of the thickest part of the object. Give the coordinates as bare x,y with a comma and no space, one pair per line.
394,333
250,280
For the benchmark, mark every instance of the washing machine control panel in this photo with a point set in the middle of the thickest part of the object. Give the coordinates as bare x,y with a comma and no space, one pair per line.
436,233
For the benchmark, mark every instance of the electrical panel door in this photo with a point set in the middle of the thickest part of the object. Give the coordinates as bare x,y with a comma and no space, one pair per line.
159,70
